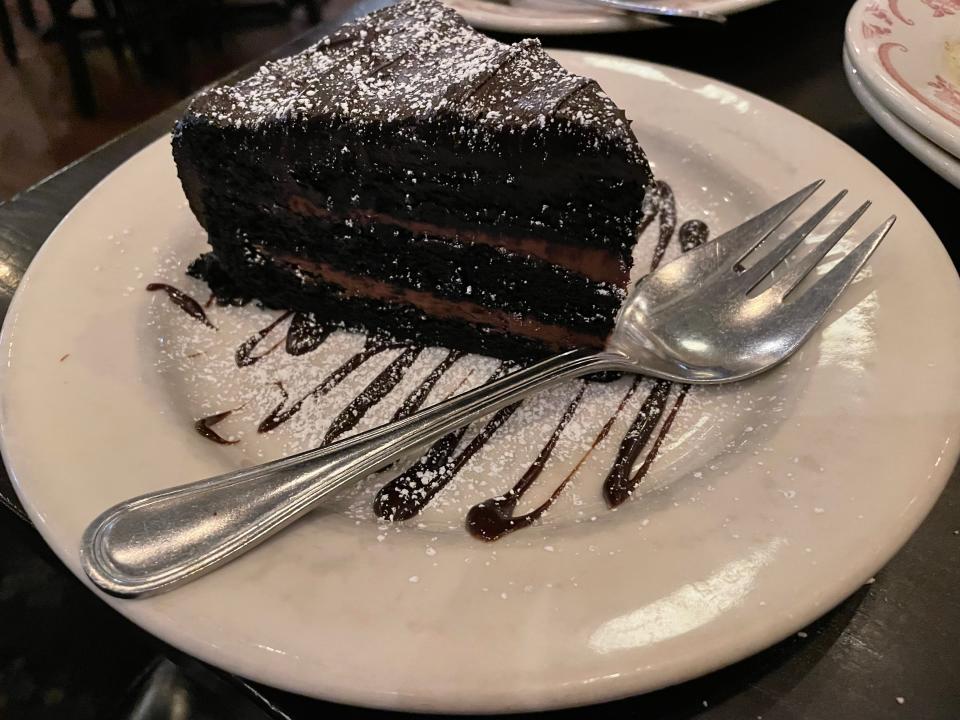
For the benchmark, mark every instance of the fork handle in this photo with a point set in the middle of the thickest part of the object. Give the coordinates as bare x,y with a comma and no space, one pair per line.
163,539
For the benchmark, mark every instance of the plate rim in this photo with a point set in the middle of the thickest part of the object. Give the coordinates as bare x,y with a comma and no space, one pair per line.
628,685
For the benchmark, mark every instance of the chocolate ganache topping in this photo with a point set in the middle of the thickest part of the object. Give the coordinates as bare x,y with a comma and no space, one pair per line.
418,60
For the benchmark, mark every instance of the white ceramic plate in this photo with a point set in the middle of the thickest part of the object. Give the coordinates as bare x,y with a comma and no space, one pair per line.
556,17
931,155
908,54
769,503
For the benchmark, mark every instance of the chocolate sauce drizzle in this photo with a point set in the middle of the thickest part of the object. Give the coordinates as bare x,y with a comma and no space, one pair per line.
494,518
183,301
415,399
244,355
619,485
204,426
666,209
280,414
620,482
373,393
407,494
306,334
617,491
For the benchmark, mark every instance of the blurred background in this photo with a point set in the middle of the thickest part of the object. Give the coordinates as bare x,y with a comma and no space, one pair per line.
74,75
77,74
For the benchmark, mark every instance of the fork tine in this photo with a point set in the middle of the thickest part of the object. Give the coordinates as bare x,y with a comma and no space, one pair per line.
737,243
755,274
795,274
817,300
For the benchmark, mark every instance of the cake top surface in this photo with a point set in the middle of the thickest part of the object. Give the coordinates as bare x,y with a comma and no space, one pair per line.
414,60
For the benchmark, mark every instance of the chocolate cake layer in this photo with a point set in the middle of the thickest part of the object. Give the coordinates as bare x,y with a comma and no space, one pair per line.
412,176
593,263
552,199
474,274
392,312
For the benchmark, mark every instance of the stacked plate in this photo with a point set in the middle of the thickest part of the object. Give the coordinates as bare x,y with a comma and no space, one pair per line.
902,58
564,17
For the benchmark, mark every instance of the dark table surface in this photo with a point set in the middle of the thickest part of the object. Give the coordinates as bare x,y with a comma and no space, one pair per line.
892,650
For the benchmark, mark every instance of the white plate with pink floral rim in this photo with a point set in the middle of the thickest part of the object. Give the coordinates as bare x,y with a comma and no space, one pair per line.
930,154
762,506
908,54
555,17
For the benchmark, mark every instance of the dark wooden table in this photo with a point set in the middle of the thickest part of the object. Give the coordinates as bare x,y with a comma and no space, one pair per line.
890,651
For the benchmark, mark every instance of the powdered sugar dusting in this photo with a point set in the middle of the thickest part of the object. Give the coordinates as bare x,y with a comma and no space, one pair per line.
419,60
201,368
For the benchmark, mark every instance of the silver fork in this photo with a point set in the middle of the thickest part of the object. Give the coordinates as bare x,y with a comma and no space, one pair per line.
706,317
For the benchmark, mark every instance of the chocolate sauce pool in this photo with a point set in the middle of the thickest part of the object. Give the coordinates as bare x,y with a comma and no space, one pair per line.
494,518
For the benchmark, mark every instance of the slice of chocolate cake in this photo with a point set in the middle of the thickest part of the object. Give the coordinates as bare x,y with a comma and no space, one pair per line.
410,176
